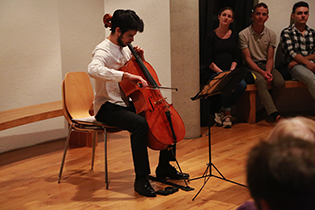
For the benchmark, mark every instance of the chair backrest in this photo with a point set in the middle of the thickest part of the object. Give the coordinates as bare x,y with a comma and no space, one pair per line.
78,95
64,108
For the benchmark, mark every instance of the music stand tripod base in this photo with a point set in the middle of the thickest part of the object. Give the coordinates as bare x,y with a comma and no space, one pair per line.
223,83
208,172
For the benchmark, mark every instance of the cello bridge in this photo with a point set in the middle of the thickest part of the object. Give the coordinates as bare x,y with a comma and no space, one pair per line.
160,101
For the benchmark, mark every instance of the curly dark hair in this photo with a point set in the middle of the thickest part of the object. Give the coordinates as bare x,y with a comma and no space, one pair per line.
126,20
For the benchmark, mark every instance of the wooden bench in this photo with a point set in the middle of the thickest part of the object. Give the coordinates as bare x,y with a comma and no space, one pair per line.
24,115
29,114
251,88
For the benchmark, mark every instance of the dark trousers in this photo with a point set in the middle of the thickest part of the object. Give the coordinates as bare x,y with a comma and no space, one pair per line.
231,99
126,119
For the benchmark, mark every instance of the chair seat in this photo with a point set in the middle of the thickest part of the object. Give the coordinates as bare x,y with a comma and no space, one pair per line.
88,120
87,123
91,121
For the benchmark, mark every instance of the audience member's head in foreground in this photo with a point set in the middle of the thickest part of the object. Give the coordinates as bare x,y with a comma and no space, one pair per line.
281,174
297,127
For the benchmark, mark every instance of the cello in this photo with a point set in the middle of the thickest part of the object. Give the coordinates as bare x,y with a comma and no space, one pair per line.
165,125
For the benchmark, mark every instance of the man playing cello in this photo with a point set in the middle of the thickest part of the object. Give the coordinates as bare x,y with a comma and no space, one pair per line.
111,105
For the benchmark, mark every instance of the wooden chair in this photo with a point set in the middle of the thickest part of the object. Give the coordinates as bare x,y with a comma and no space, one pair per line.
77,98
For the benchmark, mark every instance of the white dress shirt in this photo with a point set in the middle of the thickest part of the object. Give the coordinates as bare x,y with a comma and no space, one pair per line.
108,58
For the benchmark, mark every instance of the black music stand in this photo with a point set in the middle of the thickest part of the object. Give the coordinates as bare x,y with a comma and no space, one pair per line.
222,83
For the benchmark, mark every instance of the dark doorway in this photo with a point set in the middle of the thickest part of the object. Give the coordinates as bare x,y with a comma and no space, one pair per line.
208,21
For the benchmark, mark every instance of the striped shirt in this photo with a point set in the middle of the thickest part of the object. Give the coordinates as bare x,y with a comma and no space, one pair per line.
293,42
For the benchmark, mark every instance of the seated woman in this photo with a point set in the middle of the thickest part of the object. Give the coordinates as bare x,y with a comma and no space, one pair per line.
221,54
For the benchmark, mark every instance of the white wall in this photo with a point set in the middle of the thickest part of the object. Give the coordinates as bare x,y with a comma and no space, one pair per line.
40,41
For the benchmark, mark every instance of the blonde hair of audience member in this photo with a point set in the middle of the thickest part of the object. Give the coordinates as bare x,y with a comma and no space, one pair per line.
297,127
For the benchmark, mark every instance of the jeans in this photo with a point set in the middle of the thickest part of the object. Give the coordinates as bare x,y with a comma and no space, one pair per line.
228,101
306,76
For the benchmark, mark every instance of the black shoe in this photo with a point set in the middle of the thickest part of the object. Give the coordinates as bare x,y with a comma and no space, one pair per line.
143,187
169,172
275,117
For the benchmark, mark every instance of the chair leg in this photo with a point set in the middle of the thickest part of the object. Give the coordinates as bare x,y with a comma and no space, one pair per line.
93,149
105,153
65,152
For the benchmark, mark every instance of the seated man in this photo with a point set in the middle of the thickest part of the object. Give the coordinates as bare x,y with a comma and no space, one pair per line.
298,46
257,43
281,174
113,108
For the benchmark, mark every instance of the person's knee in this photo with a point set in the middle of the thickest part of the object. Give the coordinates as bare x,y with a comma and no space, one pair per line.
298,71
303,74
140,123
297,67
260,81
242,85
280,83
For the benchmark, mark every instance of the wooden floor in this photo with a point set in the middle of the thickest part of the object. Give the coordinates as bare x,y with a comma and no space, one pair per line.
28,177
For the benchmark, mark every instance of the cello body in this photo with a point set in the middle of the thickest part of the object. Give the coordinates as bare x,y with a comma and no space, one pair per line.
165,125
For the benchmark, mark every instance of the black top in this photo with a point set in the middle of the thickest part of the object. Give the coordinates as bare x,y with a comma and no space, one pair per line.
221,51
